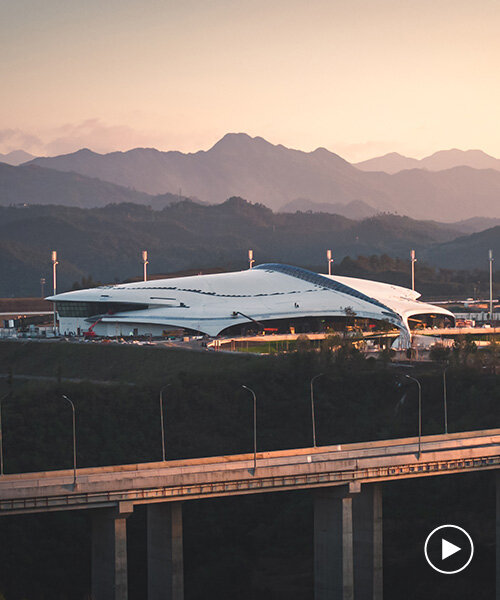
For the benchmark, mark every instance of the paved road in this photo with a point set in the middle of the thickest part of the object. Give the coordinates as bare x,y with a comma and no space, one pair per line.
233,475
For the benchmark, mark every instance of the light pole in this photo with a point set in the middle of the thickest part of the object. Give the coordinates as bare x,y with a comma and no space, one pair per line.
419,413
74,438
1,432
330,261
445,405
313,417
250,259
162,423
254,427
491,284
413,261
145,263
55,262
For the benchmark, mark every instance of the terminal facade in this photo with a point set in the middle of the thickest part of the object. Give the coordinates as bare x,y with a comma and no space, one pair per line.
275,297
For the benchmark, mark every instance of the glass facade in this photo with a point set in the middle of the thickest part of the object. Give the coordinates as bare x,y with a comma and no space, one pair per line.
324,282
91,309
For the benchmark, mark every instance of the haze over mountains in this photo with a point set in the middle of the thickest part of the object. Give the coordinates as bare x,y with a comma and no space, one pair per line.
35,185
16,157
239,165
439,161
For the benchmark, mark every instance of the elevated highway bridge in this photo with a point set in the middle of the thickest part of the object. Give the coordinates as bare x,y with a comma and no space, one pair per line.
346,480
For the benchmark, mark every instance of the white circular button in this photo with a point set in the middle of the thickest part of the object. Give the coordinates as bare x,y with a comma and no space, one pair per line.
448,549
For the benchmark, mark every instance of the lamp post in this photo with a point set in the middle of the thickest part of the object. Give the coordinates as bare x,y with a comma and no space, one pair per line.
162,422
419,413
313,417
250,259
55,262
145,263
491,284
1,433
413,261
330,261
254,427
445,402
74,438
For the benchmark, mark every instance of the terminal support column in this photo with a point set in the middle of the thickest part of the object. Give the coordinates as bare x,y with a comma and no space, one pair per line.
348,543
165,551
109,553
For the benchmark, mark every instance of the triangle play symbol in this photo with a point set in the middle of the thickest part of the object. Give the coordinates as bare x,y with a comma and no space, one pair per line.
448,549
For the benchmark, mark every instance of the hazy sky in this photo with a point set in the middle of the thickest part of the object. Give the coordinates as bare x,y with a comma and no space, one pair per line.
360,77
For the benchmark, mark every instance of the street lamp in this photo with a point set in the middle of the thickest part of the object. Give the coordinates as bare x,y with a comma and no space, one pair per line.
313,417
254,427
413,261
419,413
1,434
55,262
445,403
74,438
491,284
162,423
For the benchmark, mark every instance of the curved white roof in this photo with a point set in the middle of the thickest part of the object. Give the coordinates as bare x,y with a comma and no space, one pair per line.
212,303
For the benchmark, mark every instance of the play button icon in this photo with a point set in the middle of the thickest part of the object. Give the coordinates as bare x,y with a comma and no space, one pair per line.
448,549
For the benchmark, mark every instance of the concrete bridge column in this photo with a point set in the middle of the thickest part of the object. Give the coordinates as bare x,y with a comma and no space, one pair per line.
165,551
109,579
497,475
348,543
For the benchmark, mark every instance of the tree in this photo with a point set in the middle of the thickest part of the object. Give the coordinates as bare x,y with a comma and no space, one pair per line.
439,353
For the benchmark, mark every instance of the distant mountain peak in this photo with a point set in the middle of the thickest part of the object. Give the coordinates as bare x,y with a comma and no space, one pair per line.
438,161
16,157
238,141
85,152
396,155
391,163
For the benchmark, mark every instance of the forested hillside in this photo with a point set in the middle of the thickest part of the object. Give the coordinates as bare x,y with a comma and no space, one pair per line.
106,242
250,546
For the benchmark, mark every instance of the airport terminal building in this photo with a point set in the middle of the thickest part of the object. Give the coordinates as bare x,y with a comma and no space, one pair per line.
280,297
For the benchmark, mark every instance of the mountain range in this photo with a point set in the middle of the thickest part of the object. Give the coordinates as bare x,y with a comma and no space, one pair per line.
29,184
238,165
439,161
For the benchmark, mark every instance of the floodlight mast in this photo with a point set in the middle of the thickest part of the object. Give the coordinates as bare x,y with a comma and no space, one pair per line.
55,262
330,261
491,284
413,261
250,259
145,263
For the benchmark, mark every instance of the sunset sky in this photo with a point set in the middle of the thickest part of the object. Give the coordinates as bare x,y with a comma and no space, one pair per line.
359,77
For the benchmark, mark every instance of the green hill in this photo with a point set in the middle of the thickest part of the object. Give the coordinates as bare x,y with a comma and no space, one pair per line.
106,242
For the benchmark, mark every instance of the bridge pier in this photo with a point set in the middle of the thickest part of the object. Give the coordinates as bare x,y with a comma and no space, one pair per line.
109,579
348,543
497,475
165,551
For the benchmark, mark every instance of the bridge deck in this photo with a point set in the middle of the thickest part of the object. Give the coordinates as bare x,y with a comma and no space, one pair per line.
232,475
